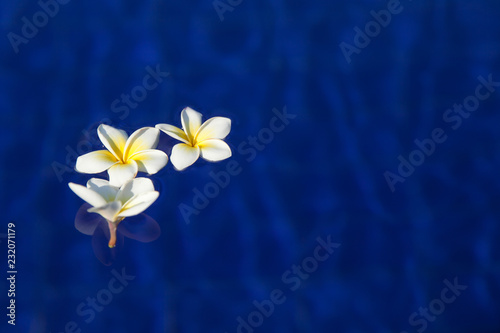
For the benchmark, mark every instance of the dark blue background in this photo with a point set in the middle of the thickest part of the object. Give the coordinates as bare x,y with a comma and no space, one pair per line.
322,175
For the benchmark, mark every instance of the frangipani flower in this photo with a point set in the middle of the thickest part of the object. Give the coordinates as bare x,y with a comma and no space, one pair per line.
125,156
115,203
198,139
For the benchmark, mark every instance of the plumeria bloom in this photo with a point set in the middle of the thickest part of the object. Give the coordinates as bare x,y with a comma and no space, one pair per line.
125,156
198,139
115,203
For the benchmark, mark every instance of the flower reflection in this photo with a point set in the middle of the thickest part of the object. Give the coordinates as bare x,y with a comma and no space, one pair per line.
141,227
115,203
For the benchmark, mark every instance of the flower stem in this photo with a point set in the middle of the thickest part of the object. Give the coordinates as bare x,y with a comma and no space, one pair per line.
112,231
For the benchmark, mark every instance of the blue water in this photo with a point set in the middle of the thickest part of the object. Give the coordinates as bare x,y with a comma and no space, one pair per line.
321,173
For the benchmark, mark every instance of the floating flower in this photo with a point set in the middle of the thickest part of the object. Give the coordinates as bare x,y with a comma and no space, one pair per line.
116,203
125,156
198,139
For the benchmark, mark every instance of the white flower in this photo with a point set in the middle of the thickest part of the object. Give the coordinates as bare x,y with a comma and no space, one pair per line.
115,203
125,156
198,139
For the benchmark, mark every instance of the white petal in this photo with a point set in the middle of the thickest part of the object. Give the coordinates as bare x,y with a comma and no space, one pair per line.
134,187
214,128
95,161
142,139
108,211
214,150
184,155
113,139
191,122
150,161
174,132
92,197
138,204
97,182
104,188
119,174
